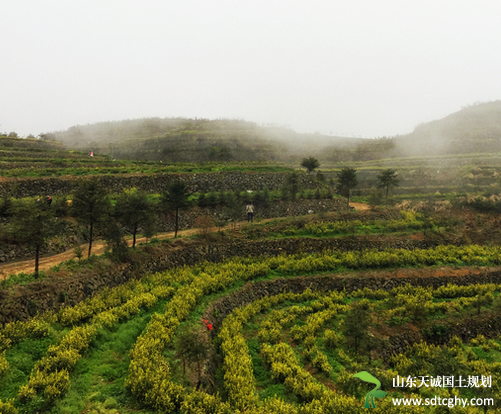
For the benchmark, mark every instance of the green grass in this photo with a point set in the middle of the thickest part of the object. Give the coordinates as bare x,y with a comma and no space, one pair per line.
132,168
21,279
22,358
98,378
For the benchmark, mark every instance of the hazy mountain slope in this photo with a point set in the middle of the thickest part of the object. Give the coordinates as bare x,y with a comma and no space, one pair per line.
197,140
475,129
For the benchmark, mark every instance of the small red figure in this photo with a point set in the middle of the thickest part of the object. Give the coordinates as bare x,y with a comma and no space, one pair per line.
209,326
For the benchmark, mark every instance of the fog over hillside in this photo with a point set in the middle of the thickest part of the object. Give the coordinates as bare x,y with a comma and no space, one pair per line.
192,140
474,129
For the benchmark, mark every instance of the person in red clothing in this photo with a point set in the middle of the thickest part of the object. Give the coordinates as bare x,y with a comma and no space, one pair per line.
207,324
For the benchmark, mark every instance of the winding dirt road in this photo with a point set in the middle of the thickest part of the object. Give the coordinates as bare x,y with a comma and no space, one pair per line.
98,248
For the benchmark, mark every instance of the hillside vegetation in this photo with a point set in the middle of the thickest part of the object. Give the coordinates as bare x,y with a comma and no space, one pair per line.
473,130
196,140
293,315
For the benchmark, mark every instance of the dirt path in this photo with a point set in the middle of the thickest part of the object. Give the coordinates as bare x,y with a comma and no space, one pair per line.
98,248
360,206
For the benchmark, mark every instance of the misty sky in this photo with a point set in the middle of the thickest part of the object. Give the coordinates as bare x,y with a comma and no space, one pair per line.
362,68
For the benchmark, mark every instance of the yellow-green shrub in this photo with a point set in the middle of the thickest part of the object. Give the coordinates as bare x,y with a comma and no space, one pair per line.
198,402
332,339
4,364
321,362
8,407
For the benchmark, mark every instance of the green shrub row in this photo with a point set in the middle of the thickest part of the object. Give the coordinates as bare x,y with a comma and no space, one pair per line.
285,368
271,328
365,259
50,376
16,331
237,365
409,221
149,376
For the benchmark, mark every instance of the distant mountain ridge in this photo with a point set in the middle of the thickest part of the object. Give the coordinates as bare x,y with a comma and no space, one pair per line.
472,130
195,140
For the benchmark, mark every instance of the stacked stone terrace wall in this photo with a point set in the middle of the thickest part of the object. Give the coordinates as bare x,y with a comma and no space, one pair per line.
23,302
187,220
155,183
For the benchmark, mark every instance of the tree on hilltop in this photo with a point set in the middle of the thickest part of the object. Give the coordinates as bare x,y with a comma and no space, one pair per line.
310,164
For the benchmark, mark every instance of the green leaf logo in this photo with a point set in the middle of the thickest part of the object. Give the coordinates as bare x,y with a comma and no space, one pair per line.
374,393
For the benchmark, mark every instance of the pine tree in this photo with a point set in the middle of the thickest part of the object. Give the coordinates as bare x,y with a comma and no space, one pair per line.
192,348
134,211
356,327
388,179
292,185
34,223
310,164
113,234
90,206
347,180
175,199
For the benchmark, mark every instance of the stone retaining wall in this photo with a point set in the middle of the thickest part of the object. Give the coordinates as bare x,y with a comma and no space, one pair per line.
488,324
187,220
22,302
155,183
254,291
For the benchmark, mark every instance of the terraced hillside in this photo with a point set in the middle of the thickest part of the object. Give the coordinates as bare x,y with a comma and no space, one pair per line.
457,154
471,131
197,140
323,313
44,158
285,332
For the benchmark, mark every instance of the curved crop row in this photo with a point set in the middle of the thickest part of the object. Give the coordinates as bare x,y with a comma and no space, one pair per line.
238,377
50,376
149,376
